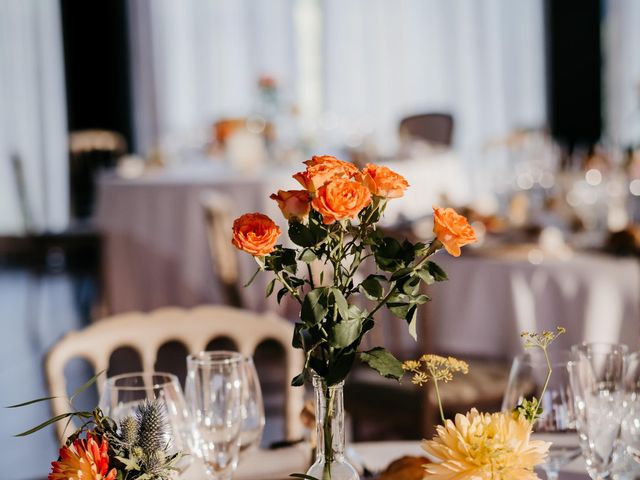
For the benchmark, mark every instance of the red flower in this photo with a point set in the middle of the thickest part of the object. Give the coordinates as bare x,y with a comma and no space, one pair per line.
83,460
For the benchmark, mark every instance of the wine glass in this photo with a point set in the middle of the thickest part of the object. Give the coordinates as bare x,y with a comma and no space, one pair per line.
597,379
557,421
122,394
215,391
630,427
253,418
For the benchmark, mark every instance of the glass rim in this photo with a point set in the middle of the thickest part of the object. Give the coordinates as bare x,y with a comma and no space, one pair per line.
170,378
226,357
582,347
568,354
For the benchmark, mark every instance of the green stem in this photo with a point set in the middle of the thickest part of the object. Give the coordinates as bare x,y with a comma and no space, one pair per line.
546,384
435,382
328,435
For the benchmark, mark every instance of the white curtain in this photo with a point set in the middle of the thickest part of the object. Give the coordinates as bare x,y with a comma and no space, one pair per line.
374,60
622,71
196,60
33,125
481,60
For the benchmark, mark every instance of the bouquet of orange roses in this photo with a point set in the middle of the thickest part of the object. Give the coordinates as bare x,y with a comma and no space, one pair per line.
332,224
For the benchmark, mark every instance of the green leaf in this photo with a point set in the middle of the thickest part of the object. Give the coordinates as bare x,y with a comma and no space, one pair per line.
413,331
425,275
383,362
270,287
438,274
297,340
30,402
281,293
346,332
253,277
55,419
340,303
88,384
307,256
314,307
301,235
403,272
411,286
340,367
298,380
371,287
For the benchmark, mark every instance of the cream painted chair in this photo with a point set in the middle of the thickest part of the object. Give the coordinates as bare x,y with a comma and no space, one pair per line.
147,332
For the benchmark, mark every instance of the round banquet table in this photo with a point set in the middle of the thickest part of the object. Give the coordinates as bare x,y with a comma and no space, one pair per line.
493,295
278,464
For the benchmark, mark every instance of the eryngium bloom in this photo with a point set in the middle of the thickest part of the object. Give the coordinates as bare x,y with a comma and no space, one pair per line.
485,446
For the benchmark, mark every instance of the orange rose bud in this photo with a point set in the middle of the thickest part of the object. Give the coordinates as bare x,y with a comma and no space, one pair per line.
322,169
293,203
341,199
452,229
383,182
255,233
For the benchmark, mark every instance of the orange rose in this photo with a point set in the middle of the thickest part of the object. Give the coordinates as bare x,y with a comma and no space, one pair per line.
255,233
293,203
383,182
340,199
322,169
452,229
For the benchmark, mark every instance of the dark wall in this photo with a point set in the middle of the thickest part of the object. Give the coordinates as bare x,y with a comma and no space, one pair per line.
574,70
97,70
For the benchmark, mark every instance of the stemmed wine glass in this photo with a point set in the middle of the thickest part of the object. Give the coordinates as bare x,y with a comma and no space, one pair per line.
527,378
122,394
253,418
597,379
215,395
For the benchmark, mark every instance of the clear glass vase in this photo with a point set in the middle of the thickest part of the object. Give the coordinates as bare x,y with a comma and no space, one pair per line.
330,463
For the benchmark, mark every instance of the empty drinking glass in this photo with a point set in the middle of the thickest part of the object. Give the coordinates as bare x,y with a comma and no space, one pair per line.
597,379
630,428
215,391
122,394
527,378
252,407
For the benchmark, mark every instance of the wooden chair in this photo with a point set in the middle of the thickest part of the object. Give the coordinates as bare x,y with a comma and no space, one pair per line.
147,332
433,127
218,209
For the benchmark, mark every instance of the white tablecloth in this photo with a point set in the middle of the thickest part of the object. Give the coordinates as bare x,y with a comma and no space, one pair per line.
278,464
489,300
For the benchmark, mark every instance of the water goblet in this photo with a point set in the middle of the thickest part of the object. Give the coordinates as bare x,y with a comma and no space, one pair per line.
253,418
215,394
122,394
557,421
597,379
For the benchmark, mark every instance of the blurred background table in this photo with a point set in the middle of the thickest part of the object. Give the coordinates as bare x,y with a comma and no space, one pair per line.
495,294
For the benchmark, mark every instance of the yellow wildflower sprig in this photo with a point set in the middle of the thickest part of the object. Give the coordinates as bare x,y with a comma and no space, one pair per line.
435,368
531,409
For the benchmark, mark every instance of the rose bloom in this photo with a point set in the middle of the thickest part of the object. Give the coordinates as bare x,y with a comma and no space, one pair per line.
485,446
322,169
452,230
83,460
383,182
255,233
341,199
293,203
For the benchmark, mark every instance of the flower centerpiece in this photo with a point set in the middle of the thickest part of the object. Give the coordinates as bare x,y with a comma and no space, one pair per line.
136,448
332,224
484,446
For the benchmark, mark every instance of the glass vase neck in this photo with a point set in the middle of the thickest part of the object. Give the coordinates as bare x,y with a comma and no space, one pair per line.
329,402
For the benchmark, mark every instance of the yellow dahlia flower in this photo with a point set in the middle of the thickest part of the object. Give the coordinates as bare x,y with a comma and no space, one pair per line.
485,446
